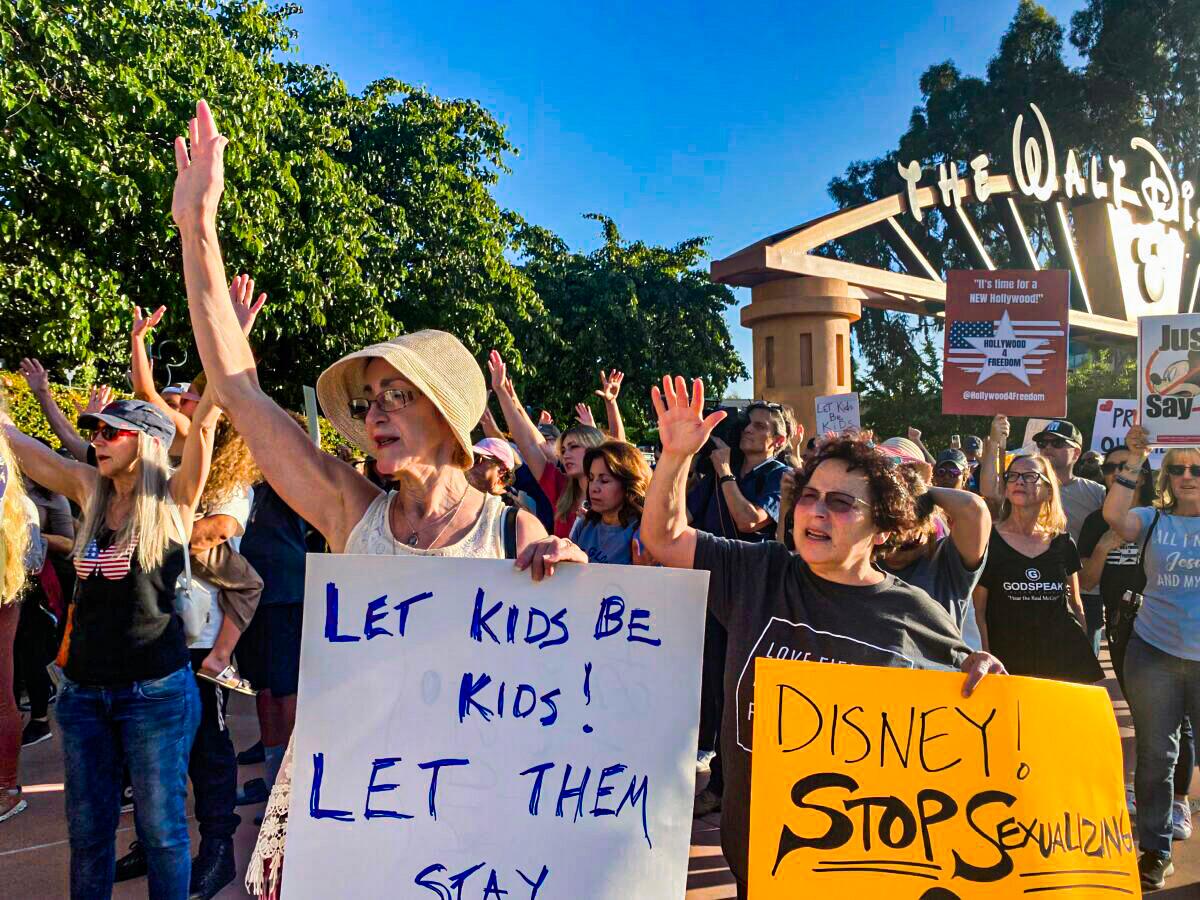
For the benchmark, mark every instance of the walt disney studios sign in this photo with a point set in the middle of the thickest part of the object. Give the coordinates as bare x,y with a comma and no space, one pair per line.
1131,266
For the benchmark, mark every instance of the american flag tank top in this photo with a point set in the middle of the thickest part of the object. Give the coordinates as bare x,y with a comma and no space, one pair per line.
112,562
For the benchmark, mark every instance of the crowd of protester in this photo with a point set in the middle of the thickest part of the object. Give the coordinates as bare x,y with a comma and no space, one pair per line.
156,563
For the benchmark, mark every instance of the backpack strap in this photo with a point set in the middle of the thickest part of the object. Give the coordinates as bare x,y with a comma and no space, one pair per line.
509,528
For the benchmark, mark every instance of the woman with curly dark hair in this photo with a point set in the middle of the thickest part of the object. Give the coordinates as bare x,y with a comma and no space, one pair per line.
827,602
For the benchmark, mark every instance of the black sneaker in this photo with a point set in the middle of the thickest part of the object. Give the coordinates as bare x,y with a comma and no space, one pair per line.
252,756
212,869
253,791
132,864
705,802
1154,867
35,732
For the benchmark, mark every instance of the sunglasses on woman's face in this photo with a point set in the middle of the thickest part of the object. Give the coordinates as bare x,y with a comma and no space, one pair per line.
388,401
1025,477
109,433
1176,469
836,502
948,471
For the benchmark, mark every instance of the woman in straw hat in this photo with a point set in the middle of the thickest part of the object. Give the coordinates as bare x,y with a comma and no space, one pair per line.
410,402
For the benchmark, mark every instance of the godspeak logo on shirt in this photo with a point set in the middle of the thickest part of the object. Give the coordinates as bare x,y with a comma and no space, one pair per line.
781,639
1033,574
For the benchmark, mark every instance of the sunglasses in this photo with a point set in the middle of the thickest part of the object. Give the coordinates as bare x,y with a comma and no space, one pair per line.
388,401
836,502
1109,468
110,433
1057,443
1025,477
948,469
1175,469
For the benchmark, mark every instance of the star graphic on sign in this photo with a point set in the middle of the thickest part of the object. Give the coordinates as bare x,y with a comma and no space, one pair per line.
1004,353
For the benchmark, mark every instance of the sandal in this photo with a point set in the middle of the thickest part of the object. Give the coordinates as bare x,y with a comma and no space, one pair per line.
228,678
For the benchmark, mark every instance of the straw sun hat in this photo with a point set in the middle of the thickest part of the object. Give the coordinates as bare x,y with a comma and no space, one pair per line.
436,363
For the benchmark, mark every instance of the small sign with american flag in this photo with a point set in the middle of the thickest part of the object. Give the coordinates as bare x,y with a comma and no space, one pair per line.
1006,343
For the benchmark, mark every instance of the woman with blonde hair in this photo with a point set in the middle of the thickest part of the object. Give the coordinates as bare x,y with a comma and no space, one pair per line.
15,539
617,477
1027,603
1162,658
410,402
127,696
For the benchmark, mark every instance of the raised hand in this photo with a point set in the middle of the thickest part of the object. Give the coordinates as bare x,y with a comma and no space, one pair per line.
143,324
914,435
1138,441
544,418
682,426
497,368
610,385
245,307
1000,429
200,161
584,412
98,397
35,376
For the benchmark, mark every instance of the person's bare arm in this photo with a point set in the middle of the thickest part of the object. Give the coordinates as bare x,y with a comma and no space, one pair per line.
59,544
1093,566
39,385
323,491
914,435
683,429
980,597
971,523
142,374
187,482
74,480
610,389
524,433
1074,602
747,516
991,488
1118,503
212,531
488,423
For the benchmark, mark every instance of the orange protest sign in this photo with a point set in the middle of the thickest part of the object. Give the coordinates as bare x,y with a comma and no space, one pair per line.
876,782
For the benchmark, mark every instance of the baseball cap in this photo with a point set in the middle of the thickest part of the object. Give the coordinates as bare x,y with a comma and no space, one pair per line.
133,415
549,432
953,456
971,442
499,450
1063,429
172,389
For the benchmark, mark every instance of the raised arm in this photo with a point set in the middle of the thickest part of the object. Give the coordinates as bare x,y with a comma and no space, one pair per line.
39,385
970,522
524,433
1118,503
914,435
980,598
991,488
142,375
74,480
683,429
610,389
187,482
329,495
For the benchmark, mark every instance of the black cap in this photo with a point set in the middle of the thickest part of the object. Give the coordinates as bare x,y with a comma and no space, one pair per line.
1063,429
134,415
549,432
971,442
955,456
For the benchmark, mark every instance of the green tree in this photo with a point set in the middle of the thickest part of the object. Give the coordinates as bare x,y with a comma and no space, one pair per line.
643,309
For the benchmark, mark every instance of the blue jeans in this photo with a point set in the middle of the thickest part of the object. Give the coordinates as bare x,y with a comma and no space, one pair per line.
1161,690
150,725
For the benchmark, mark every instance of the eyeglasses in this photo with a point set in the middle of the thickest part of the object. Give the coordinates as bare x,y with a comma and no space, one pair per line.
1194,471
482,460
1025,477
388,401
836,502
1057,443
949,470
109,433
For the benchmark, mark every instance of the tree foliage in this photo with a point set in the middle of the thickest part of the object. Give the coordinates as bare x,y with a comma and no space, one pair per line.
647,310
361,215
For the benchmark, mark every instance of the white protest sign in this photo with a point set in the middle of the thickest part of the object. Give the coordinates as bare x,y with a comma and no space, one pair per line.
465,733
1032,427
836,413
1113,418
1168,378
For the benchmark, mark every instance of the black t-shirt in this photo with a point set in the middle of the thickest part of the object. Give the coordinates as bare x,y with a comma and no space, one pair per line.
1030,627
1121,572
124,628
275,544
772,605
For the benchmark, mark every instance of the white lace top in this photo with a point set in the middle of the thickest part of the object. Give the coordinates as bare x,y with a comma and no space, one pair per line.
372,535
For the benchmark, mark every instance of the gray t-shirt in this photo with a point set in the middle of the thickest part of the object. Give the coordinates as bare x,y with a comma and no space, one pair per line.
945,577
1080,498
773,606
1170,615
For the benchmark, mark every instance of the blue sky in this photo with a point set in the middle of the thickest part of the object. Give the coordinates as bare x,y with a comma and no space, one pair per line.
676,119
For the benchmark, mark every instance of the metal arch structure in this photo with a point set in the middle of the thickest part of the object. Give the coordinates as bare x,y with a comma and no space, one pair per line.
1130,252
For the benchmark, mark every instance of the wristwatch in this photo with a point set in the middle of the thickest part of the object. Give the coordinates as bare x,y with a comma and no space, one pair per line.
725,479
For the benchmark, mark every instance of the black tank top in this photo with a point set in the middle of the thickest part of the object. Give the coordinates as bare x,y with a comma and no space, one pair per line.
124,627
